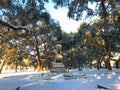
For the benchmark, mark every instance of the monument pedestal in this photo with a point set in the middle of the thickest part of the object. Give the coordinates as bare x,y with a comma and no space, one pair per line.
57,65
58,68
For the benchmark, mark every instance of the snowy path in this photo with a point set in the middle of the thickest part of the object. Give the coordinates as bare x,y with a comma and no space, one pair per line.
35,81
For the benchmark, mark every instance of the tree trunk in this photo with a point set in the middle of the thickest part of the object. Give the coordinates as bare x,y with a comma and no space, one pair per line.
100,59
69,65
109,65
98,64
105,64
90,64
79,65
1,65
117,64
80,68
1,68
16,66
38,69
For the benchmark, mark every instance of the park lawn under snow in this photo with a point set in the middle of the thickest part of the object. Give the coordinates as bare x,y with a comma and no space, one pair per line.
88,79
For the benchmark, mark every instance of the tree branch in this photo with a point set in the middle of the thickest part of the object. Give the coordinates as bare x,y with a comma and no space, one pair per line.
105,14
3,23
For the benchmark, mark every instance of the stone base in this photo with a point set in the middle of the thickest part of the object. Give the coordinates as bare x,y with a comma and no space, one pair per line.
58,68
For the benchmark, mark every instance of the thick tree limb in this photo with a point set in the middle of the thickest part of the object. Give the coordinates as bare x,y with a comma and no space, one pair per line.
105,14
6,24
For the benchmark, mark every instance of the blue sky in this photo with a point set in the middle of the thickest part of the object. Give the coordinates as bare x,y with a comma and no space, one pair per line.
68,25
60,14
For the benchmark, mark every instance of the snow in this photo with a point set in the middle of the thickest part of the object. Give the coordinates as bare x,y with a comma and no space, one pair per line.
88,79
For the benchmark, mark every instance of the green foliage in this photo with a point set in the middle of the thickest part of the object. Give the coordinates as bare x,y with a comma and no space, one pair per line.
92,40
112,40
77,9
24,13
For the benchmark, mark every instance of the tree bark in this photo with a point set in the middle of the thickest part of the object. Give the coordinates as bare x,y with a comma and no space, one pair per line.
98,64
79,65
16,66
38,69
99,61
90,64
38,60
105,14
109,65
6,24
117,64
1,65
105,64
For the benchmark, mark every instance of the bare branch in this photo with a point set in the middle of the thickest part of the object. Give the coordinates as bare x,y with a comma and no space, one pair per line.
3,23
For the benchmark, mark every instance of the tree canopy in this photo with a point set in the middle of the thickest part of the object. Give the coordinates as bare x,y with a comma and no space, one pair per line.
26,26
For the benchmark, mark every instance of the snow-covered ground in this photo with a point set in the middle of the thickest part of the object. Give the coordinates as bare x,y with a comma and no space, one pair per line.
88,79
